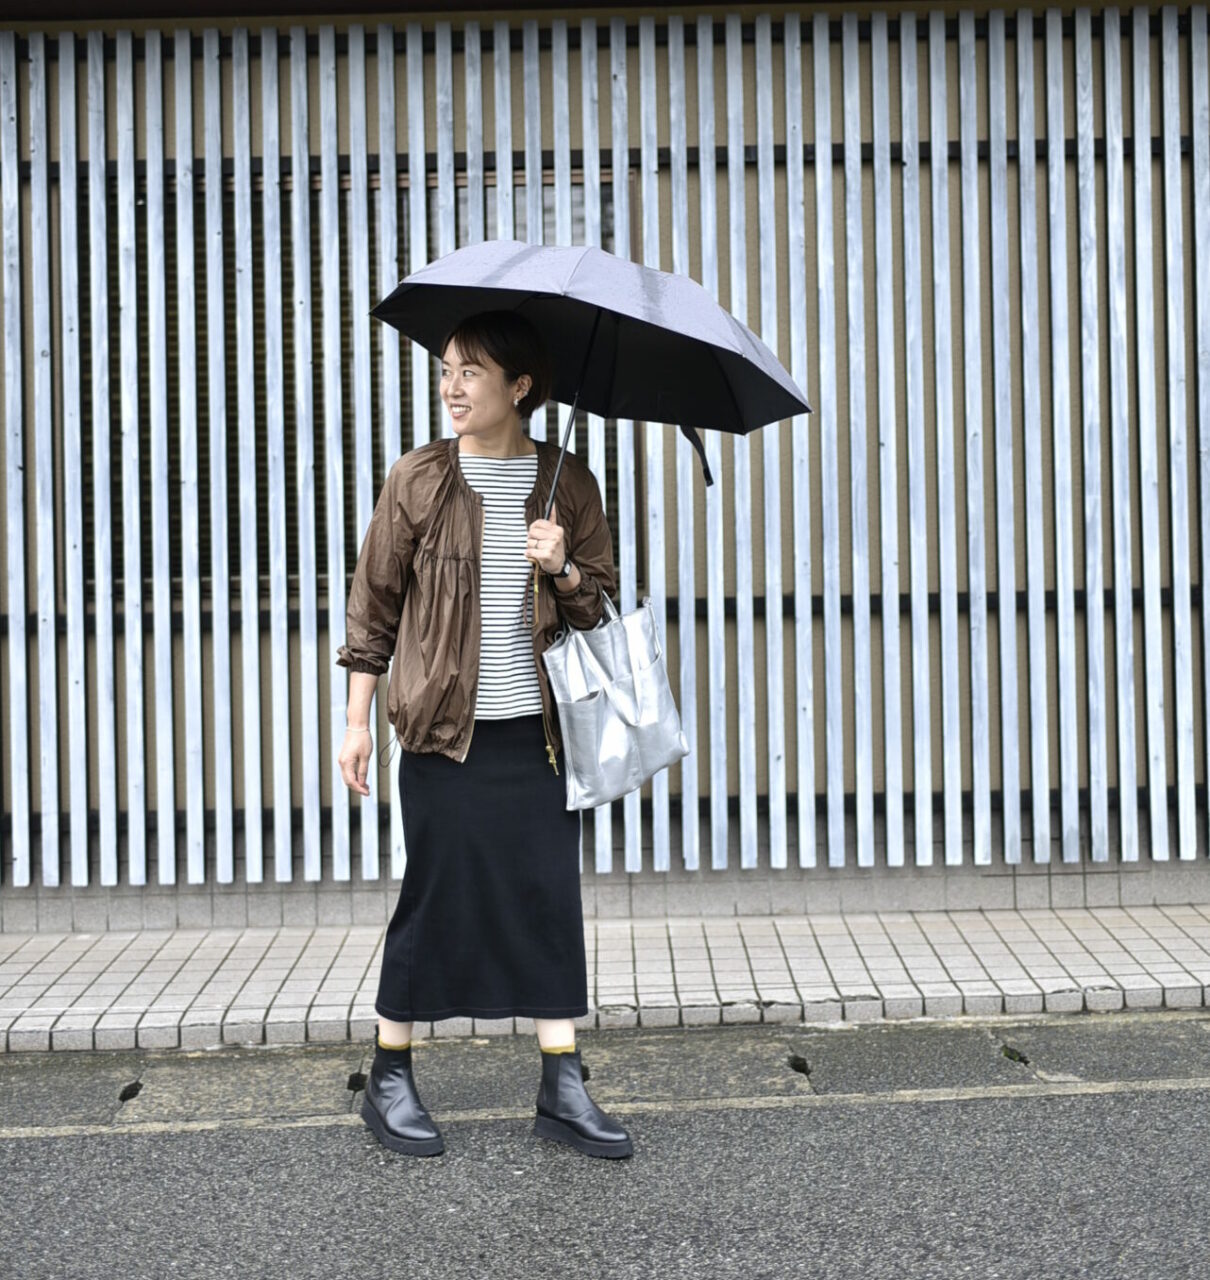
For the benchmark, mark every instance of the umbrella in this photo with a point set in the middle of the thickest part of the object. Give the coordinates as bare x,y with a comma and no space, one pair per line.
626,341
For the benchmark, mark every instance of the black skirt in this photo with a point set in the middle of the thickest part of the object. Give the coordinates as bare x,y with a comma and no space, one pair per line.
489,922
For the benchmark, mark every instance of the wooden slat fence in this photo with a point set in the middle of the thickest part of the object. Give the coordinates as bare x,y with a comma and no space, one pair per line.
959,605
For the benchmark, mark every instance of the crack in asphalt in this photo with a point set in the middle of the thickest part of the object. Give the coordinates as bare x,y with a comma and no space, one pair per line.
892,1097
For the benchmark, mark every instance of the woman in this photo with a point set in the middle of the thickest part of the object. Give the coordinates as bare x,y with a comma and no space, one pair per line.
462,583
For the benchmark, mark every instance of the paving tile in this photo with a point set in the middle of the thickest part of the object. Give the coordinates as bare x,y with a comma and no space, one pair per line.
783,1010
902,1006
668,1015
448,1027
617,1017
863,1009
1183,997
493,1026
1103,999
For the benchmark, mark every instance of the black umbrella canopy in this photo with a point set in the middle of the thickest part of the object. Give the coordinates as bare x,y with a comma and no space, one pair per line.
626,341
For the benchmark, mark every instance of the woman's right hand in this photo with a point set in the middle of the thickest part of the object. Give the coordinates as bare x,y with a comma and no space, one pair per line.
354,759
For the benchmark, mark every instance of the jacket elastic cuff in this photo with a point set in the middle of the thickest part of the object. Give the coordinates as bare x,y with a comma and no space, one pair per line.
366,665
584,606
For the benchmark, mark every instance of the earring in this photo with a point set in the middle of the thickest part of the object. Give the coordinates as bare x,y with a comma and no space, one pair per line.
516,403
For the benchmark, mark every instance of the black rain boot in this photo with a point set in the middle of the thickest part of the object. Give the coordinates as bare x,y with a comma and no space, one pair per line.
392,1107
567,1114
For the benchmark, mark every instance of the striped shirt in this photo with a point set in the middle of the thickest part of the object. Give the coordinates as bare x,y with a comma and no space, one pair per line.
508,678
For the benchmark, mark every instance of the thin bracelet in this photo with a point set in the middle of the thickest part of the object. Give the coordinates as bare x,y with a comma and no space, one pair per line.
358,728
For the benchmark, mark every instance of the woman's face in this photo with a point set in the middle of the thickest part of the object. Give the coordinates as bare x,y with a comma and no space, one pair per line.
477,395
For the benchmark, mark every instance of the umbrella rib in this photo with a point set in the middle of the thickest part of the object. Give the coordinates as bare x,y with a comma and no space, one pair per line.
575,267
739,414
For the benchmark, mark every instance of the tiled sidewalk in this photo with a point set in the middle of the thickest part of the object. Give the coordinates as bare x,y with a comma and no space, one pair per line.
195,988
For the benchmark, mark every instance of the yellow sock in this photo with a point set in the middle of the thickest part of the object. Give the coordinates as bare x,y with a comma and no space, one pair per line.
561,1048
397,1047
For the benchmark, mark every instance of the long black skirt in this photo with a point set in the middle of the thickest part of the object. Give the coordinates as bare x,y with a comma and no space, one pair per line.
489,922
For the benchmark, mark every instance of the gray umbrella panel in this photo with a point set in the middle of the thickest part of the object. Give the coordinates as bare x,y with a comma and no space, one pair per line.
664,350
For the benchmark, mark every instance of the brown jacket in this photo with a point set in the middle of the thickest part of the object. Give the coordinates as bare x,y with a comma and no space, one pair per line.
415,592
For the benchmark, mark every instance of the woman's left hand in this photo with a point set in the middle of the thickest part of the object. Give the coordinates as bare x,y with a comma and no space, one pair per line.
545,546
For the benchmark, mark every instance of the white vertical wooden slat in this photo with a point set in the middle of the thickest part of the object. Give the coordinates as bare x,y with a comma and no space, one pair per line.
246,393
653,432
14,447
44,481
561,117
1178,455
738,252
590,123
329,232
359,319
132,560
44,474
534,231
446,228
446,191
1032,435
1144,330
627,567
917,497
1060,390
476,227
888,466
1199,112
418,220
275,456
307,743
503,81
947,526
829,462
1006,588
775,680
98,297
1090,400
972,408
602,826
716,623
685,462
863,729
1119,410
447,236
73,490
191,590
590,145
216,385
388,274
157,405
1035,570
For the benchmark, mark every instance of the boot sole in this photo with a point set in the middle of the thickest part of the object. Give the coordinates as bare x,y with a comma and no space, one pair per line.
560,1131
406,1146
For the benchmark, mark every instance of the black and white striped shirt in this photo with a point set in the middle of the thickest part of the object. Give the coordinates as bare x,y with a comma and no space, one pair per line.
508,679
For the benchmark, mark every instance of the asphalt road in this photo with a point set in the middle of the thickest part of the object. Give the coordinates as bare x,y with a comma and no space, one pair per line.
1055,1147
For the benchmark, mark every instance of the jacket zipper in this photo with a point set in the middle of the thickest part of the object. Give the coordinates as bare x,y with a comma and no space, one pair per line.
546,727
475,698
550,751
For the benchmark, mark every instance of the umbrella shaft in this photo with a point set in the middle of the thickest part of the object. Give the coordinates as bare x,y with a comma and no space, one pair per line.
571,422
571,417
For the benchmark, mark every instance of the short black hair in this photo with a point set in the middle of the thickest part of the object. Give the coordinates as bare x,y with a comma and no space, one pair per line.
512,342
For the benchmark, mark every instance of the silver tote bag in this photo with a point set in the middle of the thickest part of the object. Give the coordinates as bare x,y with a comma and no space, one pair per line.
619,721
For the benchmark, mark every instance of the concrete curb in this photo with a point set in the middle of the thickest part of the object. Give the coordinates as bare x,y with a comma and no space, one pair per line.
208,1029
